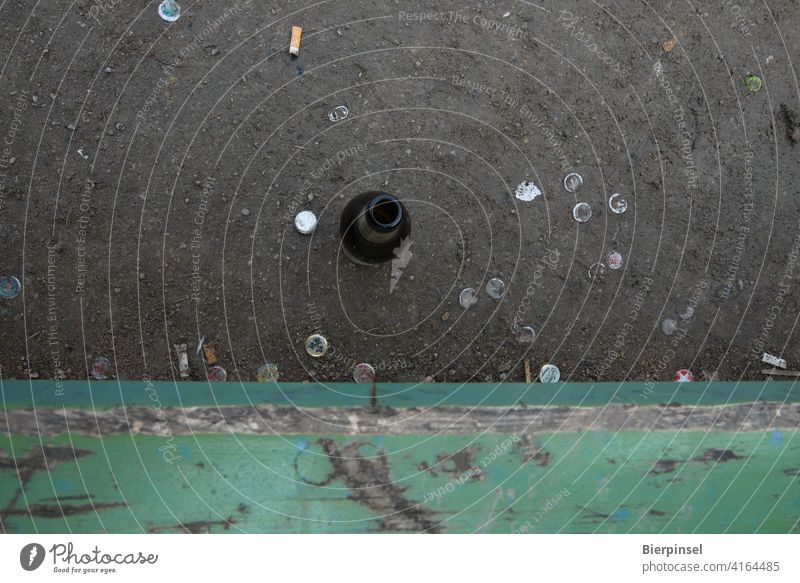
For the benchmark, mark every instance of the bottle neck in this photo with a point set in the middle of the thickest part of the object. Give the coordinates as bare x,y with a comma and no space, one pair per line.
381,218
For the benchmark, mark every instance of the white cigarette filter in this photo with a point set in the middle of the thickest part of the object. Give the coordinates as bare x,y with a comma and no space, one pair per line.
294,44
183,360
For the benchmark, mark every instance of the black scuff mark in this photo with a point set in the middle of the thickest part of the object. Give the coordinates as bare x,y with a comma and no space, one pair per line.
62,510
424,467
74,497
664,466
717,455
592,513
528,452
459,463
35,460
197,527
370,485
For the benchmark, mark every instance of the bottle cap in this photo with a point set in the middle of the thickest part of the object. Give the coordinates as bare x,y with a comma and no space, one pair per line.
617,204
363,373
495,288
305,222
526,335
267,373
100,368
549,374
582,212
217,374
9,287
573,181
669,326
597,270
468,298
316,345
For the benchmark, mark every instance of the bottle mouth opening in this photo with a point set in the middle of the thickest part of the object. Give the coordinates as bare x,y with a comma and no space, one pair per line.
385,211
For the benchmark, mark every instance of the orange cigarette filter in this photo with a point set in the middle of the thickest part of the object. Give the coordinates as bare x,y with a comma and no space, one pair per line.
294,45
208,353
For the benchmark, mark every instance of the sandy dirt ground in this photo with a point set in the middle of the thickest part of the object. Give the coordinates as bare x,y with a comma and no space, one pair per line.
150,173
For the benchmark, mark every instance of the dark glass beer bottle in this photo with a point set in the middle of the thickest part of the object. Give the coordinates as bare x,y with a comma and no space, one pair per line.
372,226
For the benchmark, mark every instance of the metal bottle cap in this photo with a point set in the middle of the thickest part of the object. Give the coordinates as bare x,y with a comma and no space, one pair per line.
573,181
100,368
597,270
363,373
526,335
9,287
753,83
305,222
669,326
316,345
582,212
495,288
267,373
549,374
217,374
617,203
468,298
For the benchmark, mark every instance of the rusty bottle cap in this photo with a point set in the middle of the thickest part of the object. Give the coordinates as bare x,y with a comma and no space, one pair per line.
364,373
9,287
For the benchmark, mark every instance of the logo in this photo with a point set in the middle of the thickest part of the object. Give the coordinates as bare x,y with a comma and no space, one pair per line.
31,556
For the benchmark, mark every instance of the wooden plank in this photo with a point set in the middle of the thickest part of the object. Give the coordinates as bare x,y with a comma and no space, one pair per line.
271,420
103,394
627,481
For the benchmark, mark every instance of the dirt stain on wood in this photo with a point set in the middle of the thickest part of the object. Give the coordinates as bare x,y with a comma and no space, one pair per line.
36,459
666,466
197,527
371,485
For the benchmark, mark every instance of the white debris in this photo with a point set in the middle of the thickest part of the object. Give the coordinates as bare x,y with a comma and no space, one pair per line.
527,191
773,360
305,222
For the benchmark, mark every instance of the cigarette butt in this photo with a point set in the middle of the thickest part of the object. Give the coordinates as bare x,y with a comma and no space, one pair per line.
294,45
183,360
208,353
528,378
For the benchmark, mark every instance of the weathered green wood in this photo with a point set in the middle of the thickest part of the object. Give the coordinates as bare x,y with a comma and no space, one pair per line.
84,393
616,482
569,481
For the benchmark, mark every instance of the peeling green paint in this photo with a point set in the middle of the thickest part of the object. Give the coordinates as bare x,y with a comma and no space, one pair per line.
615,483
572,481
